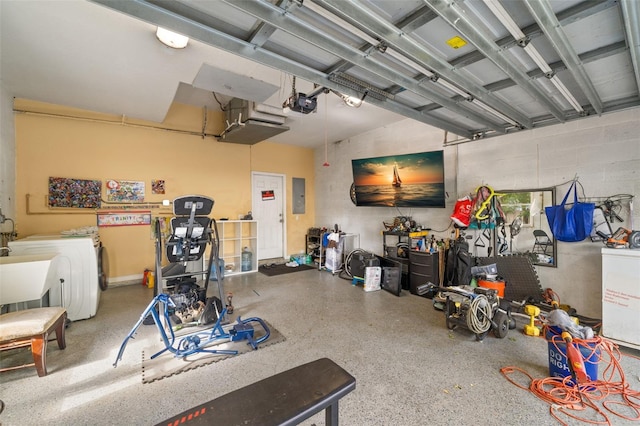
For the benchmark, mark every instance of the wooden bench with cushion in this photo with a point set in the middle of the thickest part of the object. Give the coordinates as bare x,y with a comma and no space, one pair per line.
287,398
32,327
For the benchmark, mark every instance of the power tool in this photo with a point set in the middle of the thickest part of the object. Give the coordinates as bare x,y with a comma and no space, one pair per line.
575,360
619,239
479,309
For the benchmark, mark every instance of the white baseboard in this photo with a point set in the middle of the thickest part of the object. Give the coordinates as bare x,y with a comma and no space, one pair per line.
125,280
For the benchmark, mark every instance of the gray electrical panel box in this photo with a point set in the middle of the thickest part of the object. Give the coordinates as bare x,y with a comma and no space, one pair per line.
298,196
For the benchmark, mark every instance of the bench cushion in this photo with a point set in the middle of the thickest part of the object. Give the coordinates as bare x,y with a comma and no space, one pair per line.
287,398
28,322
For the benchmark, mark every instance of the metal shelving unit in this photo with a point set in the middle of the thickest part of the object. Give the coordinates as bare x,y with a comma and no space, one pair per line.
313,243
390,249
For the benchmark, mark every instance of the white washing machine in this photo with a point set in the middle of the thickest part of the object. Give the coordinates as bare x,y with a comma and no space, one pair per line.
79,270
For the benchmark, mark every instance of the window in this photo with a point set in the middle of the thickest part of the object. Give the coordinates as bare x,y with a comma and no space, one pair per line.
516,204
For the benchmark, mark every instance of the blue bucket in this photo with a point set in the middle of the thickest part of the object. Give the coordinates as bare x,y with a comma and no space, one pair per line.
558,363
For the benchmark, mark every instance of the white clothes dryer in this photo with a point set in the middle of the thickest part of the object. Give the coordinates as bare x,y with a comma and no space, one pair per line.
78,270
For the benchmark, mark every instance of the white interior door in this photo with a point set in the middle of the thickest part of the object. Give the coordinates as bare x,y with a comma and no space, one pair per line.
268,208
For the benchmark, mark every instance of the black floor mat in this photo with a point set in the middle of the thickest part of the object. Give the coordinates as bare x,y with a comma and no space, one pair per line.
280,269
519,275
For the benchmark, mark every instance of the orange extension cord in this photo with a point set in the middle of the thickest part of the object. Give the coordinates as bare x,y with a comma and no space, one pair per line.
612,395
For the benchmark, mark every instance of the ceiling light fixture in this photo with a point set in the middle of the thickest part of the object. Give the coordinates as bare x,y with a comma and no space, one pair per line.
432,76
171,39
498,114
435,78
537,58
454,89
352,101
503,16
387,50
566,94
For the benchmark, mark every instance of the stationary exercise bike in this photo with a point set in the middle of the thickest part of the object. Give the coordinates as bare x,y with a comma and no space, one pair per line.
199,341
191,232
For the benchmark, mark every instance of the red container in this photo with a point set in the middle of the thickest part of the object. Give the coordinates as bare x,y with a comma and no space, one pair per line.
495,285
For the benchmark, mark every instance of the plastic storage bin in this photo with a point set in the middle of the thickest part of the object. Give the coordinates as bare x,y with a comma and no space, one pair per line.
558,363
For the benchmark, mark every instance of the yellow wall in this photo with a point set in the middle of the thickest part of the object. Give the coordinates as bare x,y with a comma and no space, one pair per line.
102,147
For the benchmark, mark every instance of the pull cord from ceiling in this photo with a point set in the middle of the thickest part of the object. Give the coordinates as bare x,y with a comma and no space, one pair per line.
326,144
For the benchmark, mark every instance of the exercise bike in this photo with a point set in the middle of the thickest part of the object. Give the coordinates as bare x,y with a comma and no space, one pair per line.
198,341
185,302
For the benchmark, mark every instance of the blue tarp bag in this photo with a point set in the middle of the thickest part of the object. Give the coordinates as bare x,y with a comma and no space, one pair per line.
570,224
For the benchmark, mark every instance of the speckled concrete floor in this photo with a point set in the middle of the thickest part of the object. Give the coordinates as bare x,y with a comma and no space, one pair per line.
410,369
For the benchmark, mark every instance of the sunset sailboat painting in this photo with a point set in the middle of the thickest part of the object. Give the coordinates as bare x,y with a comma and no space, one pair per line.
397,182
377,181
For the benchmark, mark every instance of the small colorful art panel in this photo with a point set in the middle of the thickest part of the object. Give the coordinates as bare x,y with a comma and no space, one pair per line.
157,186
77,193
125,191
129,218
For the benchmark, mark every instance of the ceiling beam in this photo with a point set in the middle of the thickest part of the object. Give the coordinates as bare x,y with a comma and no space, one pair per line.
186,11
585,58
457,17
631,14
263,31
416,52
261,34
546,19
567,16
287,22
157,15
408,24
417,19
592,55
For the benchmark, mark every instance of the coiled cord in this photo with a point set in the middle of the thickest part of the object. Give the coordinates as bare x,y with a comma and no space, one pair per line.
479,316
566,399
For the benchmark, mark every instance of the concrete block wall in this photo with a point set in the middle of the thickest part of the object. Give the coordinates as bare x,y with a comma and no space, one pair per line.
333,183
604,152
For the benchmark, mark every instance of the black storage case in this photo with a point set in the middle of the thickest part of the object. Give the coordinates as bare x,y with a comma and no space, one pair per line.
423,268
391,279
402,268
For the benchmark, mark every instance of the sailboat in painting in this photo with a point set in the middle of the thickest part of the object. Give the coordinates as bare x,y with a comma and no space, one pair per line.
396,177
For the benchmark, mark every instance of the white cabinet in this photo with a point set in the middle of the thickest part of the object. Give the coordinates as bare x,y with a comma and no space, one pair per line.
235,236
621,296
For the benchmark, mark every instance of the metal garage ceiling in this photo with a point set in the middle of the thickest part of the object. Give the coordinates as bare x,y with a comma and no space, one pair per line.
475,68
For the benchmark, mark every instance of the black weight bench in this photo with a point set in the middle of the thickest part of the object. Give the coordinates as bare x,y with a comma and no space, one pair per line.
288,398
